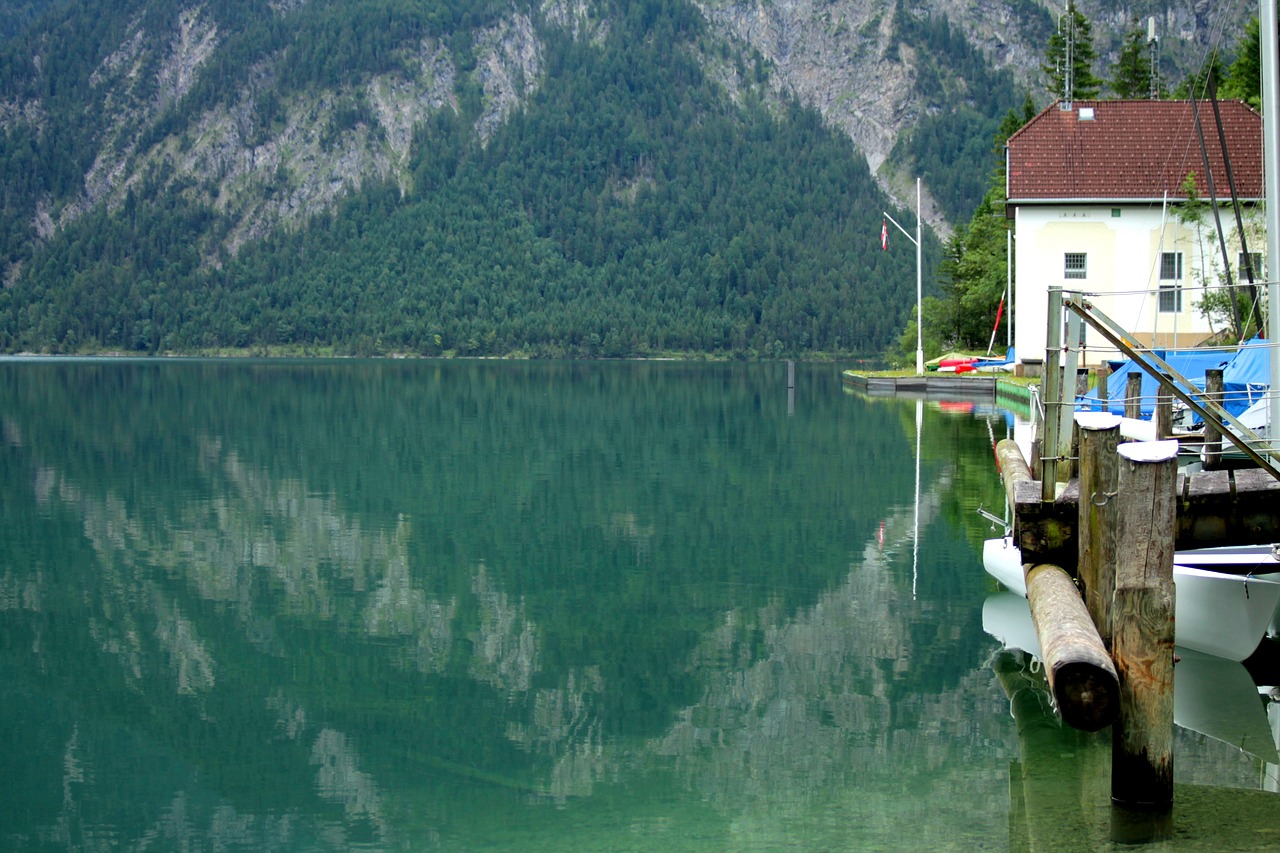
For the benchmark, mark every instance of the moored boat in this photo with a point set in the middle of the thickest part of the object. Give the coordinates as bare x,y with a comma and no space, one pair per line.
1218,613
1212,696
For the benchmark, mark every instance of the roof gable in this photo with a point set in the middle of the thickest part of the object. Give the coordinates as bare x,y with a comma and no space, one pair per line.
1132,150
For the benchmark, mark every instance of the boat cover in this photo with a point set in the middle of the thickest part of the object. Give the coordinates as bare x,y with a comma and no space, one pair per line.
1246,376
1190,363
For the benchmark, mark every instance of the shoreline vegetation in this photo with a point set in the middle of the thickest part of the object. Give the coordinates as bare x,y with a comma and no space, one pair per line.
288,352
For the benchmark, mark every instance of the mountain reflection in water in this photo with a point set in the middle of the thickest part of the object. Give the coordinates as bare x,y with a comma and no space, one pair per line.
443,605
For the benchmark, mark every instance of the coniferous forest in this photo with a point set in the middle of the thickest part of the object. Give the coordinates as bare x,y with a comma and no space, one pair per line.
629,206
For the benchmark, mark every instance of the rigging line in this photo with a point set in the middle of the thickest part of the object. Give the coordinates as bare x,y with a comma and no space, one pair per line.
1151,271
1235,202
1235,197
1213,44
1213,204
1147,291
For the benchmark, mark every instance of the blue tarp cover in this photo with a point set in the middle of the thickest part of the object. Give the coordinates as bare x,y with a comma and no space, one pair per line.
1247,376
1190,363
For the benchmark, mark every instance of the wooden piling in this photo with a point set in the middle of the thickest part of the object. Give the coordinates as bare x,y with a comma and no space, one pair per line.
1212,429
1081,674
1163,414
1099,438
1133,395
1103,374
1045,533
1142,746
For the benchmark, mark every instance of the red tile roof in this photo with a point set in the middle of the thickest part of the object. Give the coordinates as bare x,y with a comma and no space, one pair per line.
1132,150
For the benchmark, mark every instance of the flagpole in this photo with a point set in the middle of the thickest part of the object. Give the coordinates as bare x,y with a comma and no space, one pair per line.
919,279
919,293
1008,289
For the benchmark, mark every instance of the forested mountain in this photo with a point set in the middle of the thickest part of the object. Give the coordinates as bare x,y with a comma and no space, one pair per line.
480,177
17,15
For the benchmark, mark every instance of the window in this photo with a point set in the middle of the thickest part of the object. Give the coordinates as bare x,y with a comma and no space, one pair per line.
1242,275
1170,282
1073,265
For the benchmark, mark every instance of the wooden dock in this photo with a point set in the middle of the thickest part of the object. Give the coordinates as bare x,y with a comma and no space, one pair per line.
937,385
1097,521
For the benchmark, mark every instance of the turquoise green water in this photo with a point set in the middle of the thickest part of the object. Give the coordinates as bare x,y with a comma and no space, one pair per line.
506,606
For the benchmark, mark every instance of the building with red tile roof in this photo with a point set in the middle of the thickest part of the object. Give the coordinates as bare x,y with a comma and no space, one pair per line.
1096,189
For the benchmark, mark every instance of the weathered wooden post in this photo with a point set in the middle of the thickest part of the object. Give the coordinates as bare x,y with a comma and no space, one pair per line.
791,387
1212,429
1133,395
1081,674
1104,373
1163,415
1142,745
1099,438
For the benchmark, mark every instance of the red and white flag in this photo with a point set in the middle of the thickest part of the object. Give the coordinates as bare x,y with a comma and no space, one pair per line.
884,234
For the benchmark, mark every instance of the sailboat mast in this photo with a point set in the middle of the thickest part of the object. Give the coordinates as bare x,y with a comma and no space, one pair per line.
1271,168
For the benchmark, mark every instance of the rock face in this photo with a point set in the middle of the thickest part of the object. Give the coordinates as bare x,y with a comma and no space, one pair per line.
843,57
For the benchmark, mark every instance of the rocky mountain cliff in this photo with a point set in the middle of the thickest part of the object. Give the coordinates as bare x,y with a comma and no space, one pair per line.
252,122
838,57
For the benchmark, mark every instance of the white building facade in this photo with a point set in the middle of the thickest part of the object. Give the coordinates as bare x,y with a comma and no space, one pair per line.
1100,206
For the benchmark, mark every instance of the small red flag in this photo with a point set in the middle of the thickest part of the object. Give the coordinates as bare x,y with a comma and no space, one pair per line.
884,234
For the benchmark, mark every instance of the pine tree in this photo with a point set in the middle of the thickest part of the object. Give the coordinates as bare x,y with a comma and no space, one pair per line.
1199,81
1133,72
1244,77
1069,58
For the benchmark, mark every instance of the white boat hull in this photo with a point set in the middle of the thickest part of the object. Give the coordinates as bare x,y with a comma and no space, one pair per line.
1224,615
1212,696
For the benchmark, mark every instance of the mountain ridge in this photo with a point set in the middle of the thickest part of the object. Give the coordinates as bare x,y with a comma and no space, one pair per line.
241,129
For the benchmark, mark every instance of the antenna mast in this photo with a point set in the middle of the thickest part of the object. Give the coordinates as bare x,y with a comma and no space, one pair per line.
1153,42
1068,90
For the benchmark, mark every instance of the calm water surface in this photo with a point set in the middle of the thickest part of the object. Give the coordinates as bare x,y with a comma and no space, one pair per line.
523,606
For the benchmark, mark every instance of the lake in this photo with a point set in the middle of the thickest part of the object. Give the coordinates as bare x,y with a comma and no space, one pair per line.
483,605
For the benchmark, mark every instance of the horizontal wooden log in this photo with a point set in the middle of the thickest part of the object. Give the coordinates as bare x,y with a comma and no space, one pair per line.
1013,467
1080,672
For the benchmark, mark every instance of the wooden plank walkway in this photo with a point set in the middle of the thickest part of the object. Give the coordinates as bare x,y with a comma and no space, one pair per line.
932,384
1237,507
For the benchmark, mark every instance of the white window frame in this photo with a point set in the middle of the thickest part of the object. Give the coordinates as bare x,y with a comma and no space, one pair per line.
1170,299
1075,265
1170,294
